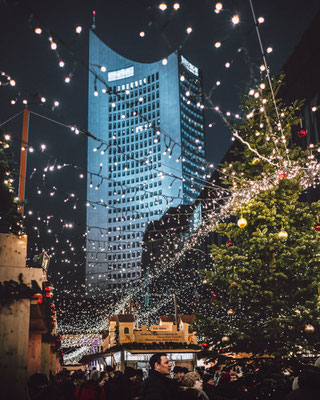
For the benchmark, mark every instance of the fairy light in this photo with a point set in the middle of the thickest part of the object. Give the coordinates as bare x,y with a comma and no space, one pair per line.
176,6
189,30
38,31
78,30
12,82
61,64
53,46
261,20
142,34
235,19
217,45
164,61
162,6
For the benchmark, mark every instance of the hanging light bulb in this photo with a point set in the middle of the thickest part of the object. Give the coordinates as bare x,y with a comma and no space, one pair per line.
162,6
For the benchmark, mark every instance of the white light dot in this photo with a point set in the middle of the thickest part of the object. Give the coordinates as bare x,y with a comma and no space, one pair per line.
217,44
103,68
162,6
53,45
13,102
67,79
38,31
269,50
261,20
43,99
182,78
165,61
262,68
189,30
176,6
95,93
78,29
12,82
142,34
235,19
227,65
218,83
219,6
61,64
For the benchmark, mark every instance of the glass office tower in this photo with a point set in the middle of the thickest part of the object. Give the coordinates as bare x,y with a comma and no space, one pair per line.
150,155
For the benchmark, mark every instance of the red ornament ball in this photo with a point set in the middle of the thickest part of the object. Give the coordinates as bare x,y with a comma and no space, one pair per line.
302,132
281,177
229,243
317,227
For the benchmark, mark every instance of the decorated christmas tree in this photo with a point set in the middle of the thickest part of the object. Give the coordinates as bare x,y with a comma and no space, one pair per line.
266,275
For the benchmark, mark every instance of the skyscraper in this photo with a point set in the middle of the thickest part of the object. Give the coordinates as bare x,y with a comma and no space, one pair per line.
150,155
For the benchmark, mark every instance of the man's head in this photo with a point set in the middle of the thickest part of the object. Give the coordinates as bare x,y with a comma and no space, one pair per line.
159,362
179,373
131,373
110,371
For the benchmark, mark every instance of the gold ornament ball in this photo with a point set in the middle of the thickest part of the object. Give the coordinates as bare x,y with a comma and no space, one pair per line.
225,339
242,222
230,312
283,234
309,328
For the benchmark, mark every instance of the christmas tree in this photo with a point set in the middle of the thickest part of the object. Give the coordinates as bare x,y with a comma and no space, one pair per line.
266,276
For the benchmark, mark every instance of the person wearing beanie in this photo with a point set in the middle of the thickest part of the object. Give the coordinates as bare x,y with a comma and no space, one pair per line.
192,380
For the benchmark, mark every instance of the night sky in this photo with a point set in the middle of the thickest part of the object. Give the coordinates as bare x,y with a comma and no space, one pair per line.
29,60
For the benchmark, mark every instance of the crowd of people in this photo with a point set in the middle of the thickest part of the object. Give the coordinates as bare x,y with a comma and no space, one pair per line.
219,382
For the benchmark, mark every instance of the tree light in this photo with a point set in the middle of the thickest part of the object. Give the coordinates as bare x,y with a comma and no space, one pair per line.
53,45
176,6
43,147
217,44
227,65
235,19
165,61
103,68
218,83
12,82
13,102
162,6
189,30
61,64
43,99
219,6
56,103
7,137
67,79
262,68
142,34
261,20
78,29
269,50
38,31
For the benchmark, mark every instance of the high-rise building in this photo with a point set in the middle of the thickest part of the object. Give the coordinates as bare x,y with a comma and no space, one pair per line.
150,155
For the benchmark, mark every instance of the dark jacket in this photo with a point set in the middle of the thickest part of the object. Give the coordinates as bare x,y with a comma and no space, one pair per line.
158,387
309,385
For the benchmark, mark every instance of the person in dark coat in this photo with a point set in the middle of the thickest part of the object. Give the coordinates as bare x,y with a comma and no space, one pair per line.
158,386
309,385
38,388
